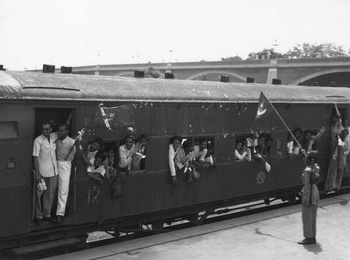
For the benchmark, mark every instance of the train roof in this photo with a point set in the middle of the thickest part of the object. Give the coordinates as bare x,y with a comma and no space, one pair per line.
74,87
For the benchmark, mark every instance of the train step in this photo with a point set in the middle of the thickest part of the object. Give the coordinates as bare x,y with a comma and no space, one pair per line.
44,246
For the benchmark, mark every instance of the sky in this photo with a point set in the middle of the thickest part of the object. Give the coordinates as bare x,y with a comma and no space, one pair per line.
90,32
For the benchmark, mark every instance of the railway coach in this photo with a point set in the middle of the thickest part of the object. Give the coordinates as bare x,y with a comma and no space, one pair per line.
221,113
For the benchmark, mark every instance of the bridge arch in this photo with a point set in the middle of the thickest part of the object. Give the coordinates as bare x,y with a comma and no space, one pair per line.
317,74
223,72
125,74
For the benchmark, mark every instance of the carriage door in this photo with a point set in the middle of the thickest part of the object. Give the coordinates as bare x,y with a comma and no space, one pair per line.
58,115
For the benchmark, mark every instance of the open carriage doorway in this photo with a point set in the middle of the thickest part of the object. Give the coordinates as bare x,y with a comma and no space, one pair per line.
58,115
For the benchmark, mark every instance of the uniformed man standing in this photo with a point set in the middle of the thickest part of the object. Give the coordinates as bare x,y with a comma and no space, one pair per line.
310,198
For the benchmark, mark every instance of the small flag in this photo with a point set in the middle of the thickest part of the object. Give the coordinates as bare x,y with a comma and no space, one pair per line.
264,108
114,117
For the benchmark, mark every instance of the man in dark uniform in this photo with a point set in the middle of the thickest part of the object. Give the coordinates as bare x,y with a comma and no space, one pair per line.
310,198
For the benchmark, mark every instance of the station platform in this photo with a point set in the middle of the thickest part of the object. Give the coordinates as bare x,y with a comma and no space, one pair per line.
268,235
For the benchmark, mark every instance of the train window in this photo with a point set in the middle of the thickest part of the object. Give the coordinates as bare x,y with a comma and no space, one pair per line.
250,146
9,130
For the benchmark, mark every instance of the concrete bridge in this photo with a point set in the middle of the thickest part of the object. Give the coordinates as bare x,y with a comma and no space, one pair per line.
321,71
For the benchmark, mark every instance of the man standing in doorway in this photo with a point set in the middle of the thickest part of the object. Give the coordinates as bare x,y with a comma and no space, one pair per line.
44,153
65,155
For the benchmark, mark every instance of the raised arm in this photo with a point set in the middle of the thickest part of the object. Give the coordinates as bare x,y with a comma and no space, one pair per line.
240,156
336,109
171,161
319,134
84,157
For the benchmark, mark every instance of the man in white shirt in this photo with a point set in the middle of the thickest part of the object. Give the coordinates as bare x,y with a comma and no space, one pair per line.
200,151
45,164
173,148
65,147
126,153
293,144
184,160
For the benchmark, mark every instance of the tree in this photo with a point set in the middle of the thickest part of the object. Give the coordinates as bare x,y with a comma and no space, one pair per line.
324,50
265,54
300,51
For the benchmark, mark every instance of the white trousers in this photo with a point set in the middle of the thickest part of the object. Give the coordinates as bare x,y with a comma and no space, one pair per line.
64,169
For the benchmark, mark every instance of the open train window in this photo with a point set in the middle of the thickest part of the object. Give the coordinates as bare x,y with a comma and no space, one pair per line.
203,148
250,146
9,130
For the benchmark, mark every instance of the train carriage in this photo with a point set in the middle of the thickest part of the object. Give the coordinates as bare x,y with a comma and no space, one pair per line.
219,112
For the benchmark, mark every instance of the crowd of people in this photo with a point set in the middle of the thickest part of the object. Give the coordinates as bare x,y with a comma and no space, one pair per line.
102,162
254,146
340,145
186,157
53,153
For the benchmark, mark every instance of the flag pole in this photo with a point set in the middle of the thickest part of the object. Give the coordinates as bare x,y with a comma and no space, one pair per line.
104,117
284,123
